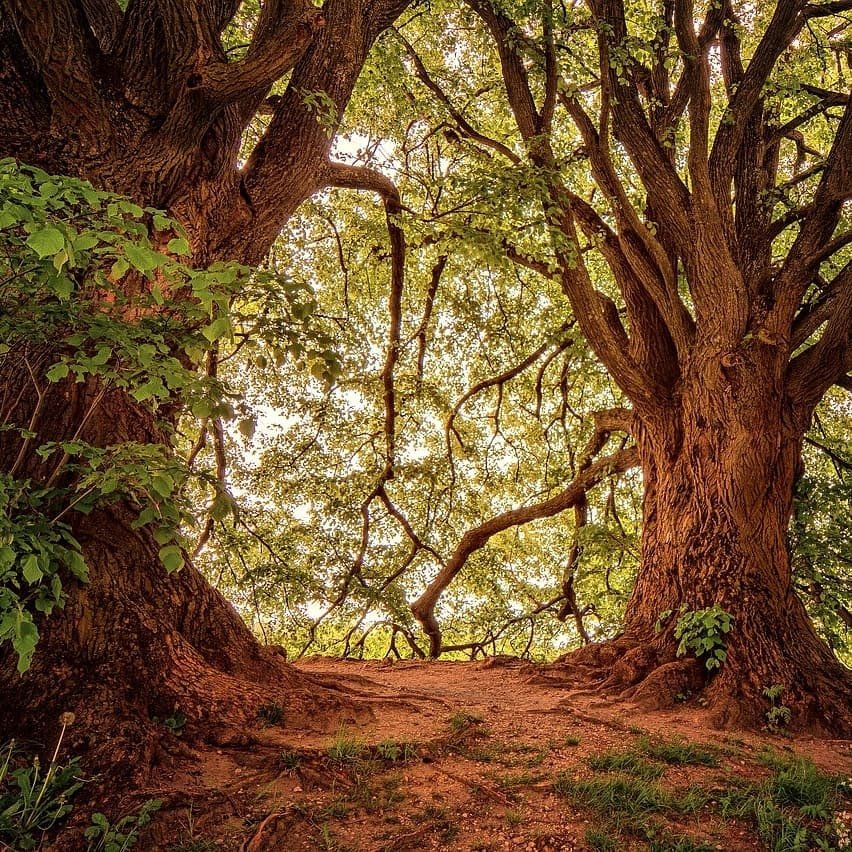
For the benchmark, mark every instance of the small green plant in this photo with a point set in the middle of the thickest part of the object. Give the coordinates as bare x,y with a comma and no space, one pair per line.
31,803
778,715
345,748
394,751
514,817
290,760
571,740
104,836
271,713
702,632
460,721
175,723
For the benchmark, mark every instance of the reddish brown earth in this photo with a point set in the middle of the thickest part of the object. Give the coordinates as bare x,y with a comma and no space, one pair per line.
486,741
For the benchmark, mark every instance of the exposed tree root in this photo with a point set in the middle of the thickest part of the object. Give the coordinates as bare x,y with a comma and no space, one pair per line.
649,675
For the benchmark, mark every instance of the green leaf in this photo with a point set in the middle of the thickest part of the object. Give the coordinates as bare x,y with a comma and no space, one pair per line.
163,484
142,258
24,642
222,506
46,242
172,557
119,268
31,570
179,245
218,328
57,372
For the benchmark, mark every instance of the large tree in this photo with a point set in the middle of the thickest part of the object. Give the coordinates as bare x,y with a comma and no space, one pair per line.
144,99
719,140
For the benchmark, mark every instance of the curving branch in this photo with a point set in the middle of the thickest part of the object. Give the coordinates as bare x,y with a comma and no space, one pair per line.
477,537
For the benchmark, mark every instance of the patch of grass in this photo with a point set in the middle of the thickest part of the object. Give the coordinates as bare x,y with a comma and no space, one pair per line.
572,741
460,721
518,779
335,809
791,810
327,840
188,842
345,748
673,843
487,753
514,817
271,713
194,844
440,822
612,836
290,760
622,795
678,752
628,797
628,762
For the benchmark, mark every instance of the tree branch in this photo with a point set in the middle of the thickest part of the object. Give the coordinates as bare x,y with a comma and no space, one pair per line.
476,538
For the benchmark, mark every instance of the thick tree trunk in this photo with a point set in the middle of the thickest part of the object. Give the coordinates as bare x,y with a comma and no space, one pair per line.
135,645
720,468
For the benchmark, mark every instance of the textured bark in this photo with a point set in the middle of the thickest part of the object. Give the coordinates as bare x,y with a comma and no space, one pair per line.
720,470
146,103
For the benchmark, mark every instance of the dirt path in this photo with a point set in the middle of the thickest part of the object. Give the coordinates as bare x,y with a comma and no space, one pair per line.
477,756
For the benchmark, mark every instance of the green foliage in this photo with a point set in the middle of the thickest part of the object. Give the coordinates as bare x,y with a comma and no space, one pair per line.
701,632
104,836
34,549
779,715
176,722
345,748
99,291
33,801
678,752
290,760
626,796
394,751
601,841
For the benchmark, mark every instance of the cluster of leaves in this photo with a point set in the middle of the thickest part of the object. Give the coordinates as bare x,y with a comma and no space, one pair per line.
34,548
105,836
99,292
701,632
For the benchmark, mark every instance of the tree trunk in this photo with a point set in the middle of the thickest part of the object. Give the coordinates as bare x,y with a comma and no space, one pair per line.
134,646
720,468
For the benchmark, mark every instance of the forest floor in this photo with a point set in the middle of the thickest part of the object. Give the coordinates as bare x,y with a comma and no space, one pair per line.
497,755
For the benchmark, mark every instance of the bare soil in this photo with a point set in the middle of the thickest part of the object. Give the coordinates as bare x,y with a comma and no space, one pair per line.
440,755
